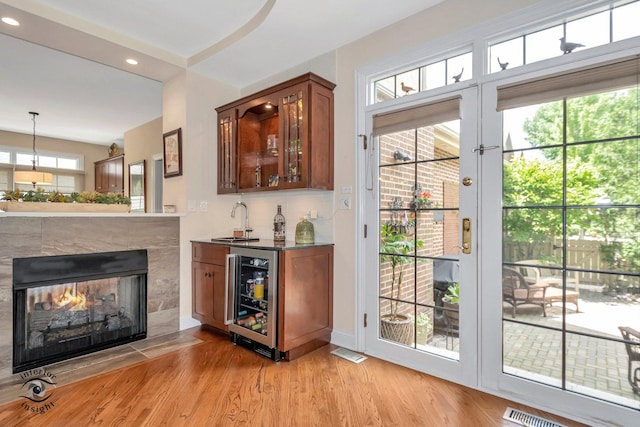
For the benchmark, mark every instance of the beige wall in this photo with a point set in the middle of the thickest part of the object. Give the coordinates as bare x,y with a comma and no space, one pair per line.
189,102
445,18
91,152
143,143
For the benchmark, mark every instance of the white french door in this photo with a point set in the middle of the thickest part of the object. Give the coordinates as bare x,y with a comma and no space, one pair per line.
420,209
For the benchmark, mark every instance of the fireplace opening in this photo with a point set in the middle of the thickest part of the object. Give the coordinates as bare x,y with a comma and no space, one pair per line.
71,305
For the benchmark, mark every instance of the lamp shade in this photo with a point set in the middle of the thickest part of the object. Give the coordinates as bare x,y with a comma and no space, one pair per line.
33,177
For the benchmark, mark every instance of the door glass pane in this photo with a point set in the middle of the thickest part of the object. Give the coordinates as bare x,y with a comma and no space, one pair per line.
419,201
506,55
571,247
625,22
542,45
590,31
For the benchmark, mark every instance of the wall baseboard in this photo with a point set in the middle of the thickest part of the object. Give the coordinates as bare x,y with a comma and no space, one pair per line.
187,322
341,339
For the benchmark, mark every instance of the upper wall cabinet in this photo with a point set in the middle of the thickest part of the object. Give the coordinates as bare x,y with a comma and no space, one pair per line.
109,175
279,138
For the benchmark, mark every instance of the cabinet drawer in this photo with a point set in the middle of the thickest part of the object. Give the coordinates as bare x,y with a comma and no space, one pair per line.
211,254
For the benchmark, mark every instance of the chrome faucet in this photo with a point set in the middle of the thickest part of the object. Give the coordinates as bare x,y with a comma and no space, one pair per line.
247,229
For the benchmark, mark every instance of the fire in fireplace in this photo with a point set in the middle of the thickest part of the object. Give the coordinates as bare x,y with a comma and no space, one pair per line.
66,306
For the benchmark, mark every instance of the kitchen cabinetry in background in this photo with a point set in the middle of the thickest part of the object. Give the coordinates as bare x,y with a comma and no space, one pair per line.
109,175
279,138
208,281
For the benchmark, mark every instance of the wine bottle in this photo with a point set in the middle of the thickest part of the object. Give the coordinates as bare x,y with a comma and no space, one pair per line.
278,227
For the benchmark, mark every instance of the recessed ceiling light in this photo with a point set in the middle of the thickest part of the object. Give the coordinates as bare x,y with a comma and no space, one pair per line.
10,21
132,61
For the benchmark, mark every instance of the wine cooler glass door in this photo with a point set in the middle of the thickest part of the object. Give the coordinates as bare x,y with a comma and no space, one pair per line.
254,295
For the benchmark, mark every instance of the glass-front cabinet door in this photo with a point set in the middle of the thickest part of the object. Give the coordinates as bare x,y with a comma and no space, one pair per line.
279,138
294,117
227,172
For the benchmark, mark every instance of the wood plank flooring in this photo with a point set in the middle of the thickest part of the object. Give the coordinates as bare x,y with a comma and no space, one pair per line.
214,383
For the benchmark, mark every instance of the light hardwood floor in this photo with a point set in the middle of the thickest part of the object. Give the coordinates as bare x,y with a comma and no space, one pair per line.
214,383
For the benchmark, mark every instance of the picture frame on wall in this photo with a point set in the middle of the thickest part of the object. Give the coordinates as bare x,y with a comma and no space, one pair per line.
172,153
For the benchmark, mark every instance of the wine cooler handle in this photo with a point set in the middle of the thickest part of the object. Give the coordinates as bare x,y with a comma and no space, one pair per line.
230,289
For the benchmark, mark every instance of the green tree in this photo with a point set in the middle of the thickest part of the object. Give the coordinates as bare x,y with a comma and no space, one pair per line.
533,187
594,118
605,170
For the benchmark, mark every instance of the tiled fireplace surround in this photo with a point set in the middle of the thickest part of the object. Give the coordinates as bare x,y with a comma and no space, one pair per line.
27,236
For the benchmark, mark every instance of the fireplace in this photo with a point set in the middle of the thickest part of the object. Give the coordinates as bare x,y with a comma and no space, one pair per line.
69,305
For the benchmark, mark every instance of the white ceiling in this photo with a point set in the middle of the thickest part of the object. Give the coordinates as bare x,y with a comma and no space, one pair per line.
66,59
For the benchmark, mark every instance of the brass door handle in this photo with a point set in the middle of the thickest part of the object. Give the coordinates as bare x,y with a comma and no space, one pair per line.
466,235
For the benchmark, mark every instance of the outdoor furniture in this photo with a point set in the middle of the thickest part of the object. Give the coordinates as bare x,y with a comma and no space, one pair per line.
632,343
532,271
516,291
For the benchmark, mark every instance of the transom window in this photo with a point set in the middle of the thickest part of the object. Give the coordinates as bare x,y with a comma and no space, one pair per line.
616,23
431,76
48,160
67,169
600,26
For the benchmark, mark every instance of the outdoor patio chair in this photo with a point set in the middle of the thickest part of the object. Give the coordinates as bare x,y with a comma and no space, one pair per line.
533,273
632,343
516,291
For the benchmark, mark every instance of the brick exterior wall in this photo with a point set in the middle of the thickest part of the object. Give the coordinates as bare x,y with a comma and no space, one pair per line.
432,170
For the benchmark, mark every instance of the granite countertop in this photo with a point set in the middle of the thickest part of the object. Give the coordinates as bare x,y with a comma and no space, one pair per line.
267,244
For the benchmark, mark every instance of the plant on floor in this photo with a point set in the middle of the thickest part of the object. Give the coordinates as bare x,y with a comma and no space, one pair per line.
424,327
394,248
453,294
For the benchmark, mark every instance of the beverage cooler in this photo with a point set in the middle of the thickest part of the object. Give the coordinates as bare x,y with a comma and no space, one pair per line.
252,299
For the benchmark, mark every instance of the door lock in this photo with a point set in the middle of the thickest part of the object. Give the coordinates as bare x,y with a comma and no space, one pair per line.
466,235
466,181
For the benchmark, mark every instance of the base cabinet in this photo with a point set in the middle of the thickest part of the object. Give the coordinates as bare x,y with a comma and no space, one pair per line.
208,281
305,294
305,300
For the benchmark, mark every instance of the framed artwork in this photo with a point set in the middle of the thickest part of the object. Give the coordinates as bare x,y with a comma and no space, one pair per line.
172,150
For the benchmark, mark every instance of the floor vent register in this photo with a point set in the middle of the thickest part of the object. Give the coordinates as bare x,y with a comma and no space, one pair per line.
349,355
528,420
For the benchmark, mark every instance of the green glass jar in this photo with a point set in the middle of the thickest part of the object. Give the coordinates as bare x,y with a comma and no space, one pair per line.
304,232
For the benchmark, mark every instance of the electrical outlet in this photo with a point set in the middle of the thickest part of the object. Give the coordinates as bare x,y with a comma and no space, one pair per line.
313,214
345,203
204,206
346,189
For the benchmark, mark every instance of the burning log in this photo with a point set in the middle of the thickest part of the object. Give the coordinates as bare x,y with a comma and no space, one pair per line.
44,306
36,340
69,318
39,320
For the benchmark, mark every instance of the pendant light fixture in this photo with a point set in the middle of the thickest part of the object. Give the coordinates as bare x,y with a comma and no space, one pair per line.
33,176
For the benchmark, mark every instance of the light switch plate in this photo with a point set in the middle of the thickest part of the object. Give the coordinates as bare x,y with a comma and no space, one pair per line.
345,203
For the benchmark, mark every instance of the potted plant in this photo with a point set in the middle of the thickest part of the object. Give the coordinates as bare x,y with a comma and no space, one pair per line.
424,328
395,247
40,200
451,301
